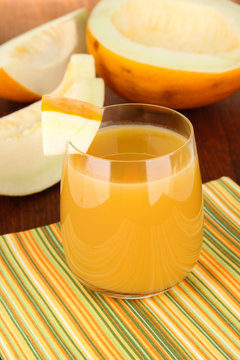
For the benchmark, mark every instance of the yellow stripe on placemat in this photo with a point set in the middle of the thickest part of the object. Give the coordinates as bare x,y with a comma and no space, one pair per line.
47,314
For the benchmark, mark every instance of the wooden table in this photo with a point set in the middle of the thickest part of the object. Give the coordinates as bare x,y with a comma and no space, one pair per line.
217,127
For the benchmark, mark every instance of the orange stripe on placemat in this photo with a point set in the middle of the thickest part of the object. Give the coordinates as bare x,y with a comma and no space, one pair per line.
116,324
226,278
222,324
12,353
72,302
230,185
7,349
174,325
220,293
219,233
7,324
157,310
196,334
182,324
22,320
38,323
57,232
155,330
207,323
230,217
210,275
224,194
132,327
52,301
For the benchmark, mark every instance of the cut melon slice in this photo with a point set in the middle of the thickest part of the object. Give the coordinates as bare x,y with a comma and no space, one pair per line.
176,53
33,63
24,169
64,120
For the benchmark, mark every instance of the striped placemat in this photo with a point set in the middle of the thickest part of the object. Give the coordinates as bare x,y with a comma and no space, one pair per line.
47,314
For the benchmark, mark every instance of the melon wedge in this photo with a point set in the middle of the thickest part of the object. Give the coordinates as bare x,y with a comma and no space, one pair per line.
33,63
65,119
174,53
24,169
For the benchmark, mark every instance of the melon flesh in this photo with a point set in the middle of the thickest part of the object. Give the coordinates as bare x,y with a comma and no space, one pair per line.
24,169
166,24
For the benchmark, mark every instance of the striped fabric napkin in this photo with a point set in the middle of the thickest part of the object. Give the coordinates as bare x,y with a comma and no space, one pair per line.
47,314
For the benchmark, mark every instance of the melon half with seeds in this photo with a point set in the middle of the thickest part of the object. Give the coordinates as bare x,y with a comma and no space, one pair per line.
176,53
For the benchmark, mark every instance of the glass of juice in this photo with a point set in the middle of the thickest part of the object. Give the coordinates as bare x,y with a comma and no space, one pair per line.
131,207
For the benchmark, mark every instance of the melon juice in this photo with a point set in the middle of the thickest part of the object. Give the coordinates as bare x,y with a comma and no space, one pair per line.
131,210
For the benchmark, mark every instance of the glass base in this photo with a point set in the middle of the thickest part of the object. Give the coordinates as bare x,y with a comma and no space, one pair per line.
119,295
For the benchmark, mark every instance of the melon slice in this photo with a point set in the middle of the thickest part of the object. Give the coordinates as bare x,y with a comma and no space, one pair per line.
176,53
65,119
33,63
24,169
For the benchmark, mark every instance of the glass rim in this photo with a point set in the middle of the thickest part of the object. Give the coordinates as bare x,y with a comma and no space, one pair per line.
169,110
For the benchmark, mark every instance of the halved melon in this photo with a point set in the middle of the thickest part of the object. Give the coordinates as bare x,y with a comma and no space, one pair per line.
24,169
33,63
176,53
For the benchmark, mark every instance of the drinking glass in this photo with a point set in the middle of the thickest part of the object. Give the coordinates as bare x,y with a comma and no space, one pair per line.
132,228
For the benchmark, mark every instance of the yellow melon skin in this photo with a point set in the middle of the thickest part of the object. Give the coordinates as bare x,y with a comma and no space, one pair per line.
12,90
177,89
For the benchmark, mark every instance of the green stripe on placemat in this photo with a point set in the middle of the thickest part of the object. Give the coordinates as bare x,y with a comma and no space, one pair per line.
47,314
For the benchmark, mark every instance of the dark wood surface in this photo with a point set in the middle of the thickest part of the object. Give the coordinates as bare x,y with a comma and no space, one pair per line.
217,127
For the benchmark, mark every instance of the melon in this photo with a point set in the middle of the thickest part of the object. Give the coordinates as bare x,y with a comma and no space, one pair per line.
175,53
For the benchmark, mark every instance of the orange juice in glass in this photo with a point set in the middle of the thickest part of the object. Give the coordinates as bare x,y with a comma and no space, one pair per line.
131,207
